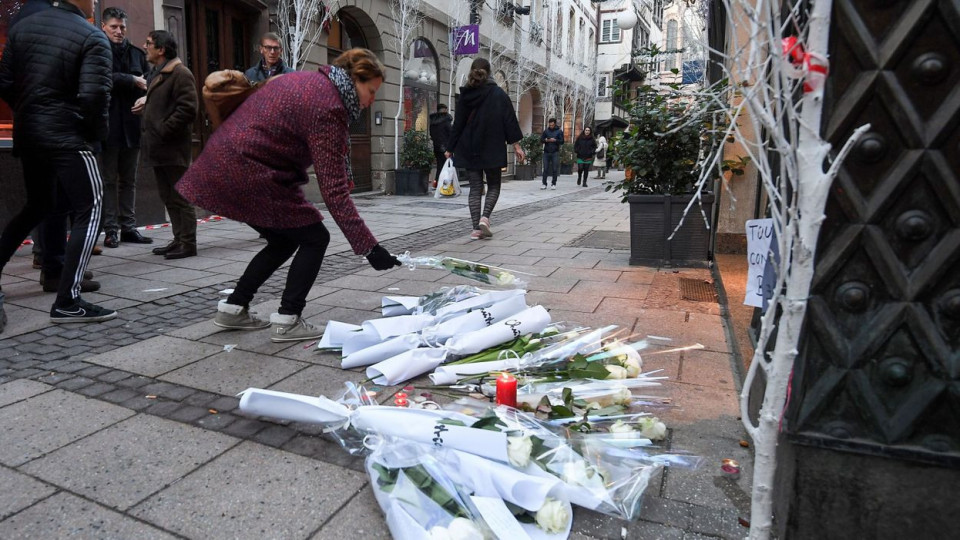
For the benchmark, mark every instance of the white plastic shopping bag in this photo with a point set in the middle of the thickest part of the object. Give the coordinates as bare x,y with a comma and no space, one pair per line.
447,185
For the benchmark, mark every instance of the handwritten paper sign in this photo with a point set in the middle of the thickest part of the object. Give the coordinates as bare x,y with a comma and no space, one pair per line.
761,260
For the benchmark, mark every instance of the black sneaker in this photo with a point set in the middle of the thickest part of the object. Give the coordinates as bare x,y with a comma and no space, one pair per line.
81,312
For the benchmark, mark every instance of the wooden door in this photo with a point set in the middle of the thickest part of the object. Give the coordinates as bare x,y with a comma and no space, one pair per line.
344,34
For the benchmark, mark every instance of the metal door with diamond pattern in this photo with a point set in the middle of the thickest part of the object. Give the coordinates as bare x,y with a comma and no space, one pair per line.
879,370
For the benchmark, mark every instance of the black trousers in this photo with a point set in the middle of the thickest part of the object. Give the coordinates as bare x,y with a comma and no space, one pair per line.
310,244
441,161
183,218
59,182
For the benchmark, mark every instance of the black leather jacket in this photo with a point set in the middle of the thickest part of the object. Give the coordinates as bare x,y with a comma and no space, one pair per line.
56,76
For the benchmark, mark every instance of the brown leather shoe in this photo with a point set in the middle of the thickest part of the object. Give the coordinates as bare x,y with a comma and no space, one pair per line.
97,250
167,248
181,252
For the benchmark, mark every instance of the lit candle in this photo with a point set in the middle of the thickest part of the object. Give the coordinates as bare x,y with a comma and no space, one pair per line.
507,390
400,400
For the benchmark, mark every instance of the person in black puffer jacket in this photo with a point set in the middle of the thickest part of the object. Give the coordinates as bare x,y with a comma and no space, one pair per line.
55,74
485,121
441,123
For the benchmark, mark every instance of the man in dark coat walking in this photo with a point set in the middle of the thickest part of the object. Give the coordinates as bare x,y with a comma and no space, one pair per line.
441,123
55,74
122,147
552,139
169,110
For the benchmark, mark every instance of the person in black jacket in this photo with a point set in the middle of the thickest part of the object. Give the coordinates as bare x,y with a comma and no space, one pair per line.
485,120
552,139
55,75
585,146
122,148
441,123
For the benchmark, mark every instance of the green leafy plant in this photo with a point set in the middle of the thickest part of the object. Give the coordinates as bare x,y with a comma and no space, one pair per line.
736,167
661,146
533,148
416,153
566,153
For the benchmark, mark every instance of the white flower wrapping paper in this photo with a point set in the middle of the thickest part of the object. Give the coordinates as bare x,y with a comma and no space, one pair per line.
392,306
296,407
381,351
528,321
477,319
405,366
335,333
479,301
451,373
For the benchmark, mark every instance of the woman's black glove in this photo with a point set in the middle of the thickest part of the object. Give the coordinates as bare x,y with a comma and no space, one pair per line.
381,259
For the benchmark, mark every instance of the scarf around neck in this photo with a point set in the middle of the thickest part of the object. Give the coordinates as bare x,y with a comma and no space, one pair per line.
348,95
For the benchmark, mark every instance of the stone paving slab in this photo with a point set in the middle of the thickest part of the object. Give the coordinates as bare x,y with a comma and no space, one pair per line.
46,422
228,373
129,461
19,390
155,356
20,491
272,494
69,516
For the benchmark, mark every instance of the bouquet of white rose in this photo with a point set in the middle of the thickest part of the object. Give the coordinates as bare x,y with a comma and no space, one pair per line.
484,273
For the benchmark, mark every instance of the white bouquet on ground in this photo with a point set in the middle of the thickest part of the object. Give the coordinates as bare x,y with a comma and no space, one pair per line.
418,497
484,273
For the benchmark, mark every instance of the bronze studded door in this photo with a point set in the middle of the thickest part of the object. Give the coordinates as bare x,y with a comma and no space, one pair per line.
879,371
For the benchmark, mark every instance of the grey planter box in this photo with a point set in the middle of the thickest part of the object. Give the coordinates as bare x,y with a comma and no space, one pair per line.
524,172
412,182
653,219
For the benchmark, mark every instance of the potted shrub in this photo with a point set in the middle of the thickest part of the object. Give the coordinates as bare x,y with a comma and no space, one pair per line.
660,151
567,158
533,148
416,158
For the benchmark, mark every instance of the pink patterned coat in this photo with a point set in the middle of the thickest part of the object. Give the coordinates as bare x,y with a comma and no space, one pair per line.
253,166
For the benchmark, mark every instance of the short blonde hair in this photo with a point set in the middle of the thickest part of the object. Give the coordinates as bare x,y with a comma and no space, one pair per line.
361,64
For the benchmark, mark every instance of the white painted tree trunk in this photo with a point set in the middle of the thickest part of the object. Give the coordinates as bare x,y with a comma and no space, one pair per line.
406,18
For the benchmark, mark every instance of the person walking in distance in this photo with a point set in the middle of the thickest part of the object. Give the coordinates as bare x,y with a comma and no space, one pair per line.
169,110
253,166
585,147
55,74
600,162
271,63
441,124
485,121
552,139
121,150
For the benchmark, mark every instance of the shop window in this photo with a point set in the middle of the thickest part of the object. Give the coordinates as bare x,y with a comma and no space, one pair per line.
421,85
8,9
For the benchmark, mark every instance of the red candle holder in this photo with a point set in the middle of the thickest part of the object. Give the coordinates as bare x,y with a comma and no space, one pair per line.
400,399
507,390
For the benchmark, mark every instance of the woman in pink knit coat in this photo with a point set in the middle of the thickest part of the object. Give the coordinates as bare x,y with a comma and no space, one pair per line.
253,166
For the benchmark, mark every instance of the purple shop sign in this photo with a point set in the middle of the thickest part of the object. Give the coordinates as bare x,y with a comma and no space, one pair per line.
466,39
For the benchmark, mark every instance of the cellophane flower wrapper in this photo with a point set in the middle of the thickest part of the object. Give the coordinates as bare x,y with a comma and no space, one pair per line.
487,274
416,493
598,476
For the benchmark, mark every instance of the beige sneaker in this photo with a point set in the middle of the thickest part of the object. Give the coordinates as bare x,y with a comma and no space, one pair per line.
235,317
292,328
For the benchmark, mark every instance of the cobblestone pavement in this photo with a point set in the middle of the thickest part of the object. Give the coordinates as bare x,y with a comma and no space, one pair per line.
130,428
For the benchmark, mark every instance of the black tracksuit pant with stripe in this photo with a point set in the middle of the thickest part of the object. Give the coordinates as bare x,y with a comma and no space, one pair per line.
59,181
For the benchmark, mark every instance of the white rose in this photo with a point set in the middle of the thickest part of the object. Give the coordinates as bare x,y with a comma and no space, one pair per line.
623,397
619,430
438,533
463,529
633,367
553,516
616,372
505,278
578,473
594,405
652,428
518,451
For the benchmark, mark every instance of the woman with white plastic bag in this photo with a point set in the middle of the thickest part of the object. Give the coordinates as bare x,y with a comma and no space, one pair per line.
448,185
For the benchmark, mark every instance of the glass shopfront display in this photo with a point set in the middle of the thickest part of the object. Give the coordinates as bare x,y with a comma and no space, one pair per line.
421,85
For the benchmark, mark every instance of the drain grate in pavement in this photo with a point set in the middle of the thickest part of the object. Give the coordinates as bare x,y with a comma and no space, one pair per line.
697,290
603,240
